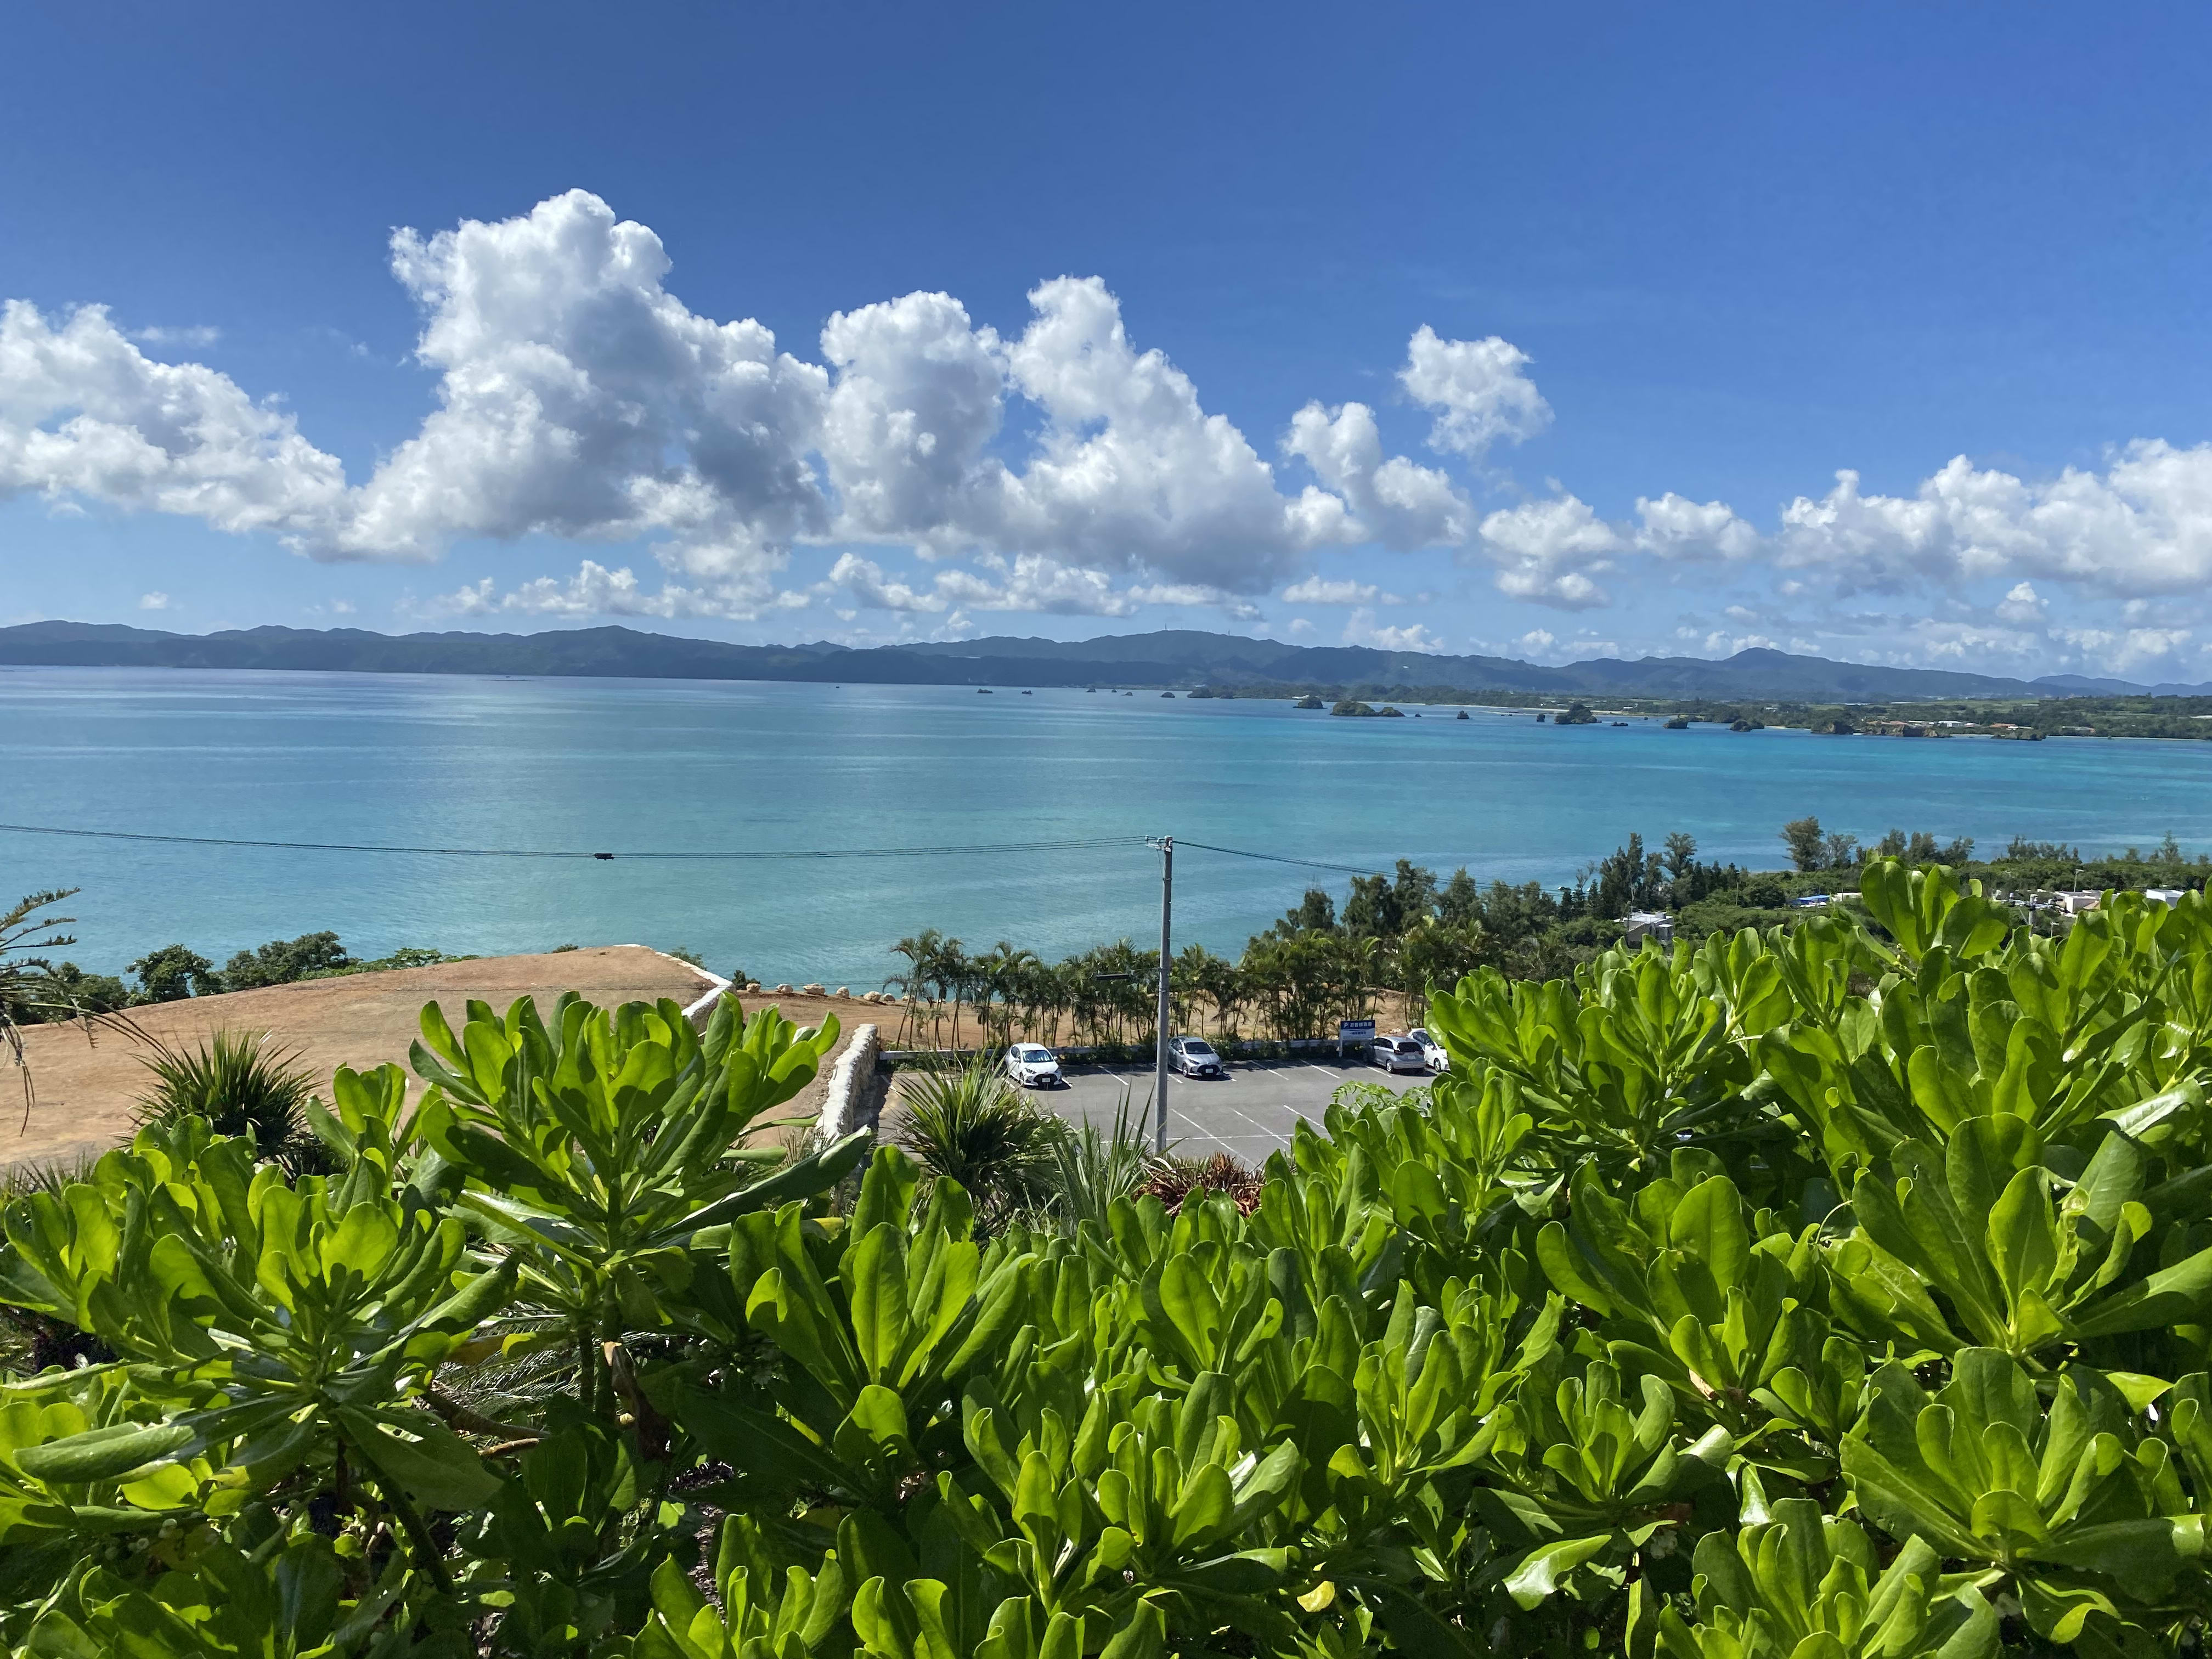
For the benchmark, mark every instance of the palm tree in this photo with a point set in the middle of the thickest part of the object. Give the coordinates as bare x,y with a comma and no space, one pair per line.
953,974
1017,977
921,951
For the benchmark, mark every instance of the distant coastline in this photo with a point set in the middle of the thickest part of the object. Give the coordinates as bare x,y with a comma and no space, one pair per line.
1175,658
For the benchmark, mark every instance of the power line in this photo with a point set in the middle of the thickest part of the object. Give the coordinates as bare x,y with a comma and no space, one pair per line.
1276,858
724,854
727,854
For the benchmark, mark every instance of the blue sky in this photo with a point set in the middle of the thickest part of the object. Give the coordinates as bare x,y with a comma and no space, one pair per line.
1533,331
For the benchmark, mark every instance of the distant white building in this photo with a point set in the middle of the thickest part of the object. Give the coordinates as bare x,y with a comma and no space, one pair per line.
2164,895
1654,925
1812,901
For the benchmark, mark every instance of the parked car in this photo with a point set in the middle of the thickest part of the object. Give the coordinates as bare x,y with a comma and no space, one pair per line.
1033,1066
1433,1052
1194,1057
1399,1054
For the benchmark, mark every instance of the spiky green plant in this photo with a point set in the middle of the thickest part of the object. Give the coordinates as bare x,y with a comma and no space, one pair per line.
1088,1165
241,1083
973,1125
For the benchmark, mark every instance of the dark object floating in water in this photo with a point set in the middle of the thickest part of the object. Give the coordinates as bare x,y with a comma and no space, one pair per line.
1029,694
983,691
1462,713
1167,694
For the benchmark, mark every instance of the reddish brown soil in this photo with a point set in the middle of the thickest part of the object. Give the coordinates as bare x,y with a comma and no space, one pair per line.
86,1092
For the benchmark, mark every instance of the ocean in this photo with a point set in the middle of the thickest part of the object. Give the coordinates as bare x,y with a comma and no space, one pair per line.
661,766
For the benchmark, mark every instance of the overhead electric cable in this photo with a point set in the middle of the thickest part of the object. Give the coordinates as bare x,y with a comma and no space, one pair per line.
744,853
1276,858
741,854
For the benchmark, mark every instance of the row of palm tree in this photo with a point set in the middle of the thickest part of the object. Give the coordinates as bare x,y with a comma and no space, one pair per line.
1285,985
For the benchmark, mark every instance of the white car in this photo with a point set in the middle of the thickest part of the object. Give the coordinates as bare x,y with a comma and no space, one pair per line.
1433,1052
1399,1054
1032,1066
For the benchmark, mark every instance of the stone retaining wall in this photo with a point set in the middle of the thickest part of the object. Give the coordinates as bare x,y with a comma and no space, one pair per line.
856,1092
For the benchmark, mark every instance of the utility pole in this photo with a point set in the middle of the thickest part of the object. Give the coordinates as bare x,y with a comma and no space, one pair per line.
1166,844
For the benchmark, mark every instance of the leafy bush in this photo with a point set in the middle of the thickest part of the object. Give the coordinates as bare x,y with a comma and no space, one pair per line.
174,973
1843,1290
284,961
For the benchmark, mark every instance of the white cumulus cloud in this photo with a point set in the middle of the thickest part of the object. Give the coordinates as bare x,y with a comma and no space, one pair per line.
1675,528
1545,551
1478,390
84,413
1400,504
1361,629
2021,606
2127,650
1315,591
579,397
2142,526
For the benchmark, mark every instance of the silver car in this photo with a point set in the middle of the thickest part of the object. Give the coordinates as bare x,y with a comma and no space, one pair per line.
1033,1066
1399,1054
1194,1057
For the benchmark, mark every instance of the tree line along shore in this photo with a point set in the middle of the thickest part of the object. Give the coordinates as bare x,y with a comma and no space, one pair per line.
1367,951
2029,718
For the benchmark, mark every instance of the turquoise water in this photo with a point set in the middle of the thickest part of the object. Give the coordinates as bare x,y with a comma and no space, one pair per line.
674,765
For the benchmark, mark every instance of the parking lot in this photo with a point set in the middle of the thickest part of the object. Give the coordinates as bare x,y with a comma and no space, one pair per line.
1248,1113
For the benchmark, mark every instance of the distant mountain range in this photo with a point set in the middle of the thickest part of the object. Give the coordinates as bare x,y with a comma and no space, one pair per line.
1172,658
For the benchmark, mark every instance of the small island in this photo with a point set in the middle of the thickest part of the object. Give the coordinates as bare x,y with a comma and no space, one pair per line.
1577,714
1679,723
1358,710
1308,701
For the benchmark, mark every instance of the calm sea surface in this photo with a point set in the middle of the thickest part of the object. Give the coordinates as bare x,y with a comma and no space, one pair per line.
672,766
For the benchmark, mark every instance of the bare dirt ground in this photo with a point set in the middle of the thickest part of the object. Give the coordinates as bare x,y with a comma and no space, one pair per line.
85,1092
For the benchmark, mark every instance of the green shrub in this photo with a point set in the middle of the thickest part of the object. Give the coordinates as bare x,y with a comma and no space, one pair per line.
284,961
1841,1291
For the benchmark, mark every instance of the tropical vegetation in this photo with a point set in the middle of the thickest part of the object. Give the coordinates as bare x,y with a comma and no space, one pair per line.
1838,1290
1396,934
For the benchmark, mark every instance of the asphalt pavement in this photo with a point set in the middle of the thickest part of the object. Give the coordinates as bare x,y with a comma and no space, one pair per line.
1249,1113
